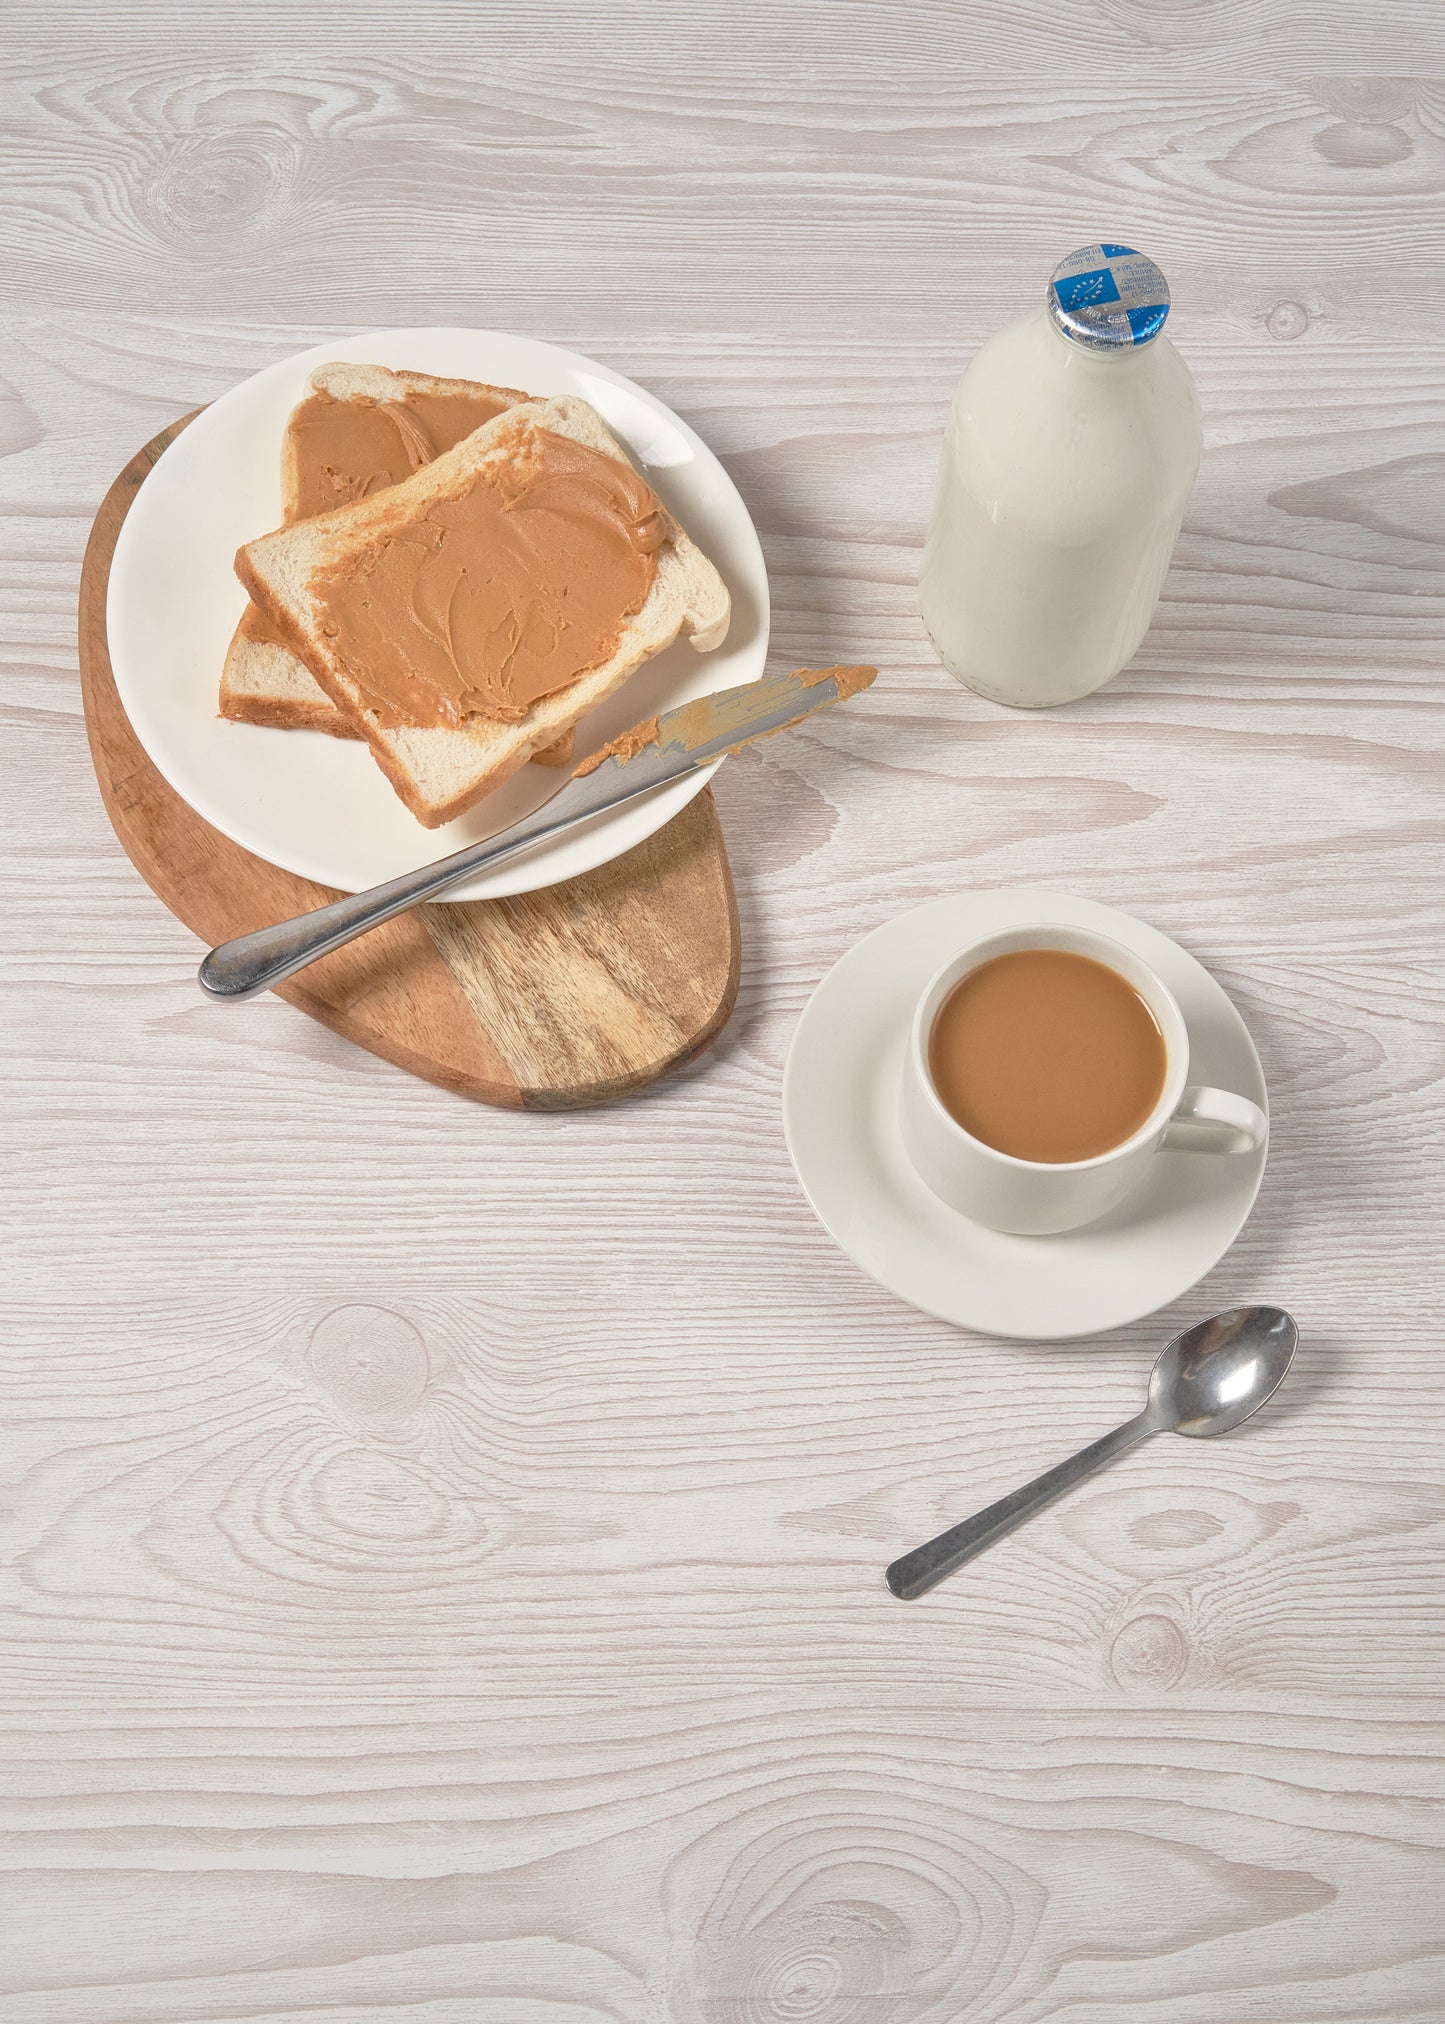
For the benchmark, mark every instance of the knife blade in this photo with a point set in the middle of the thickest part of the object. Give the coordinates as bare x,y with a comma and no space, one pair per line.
650,755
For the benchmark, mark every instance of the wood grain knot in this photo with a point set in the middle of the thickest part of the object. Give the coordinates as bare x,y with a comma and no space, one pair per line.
371,1361
836,1962
1149,1651
1350,97
1363,144
822,1905
359,1519
1166,1529
1287,320
1142,1534
837,1950
220,188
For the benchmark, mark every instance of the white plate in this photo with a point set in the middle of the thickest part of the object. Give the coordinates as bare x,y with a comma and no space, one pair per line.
840,1113
320,806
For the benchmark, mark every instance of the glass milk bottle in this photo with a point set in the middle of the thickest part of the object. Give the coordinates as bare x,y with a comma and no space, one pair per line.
1070,452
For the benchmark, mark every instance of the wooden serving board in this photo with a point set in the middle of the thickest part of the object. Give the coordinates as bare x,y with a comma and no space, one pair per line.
548,1001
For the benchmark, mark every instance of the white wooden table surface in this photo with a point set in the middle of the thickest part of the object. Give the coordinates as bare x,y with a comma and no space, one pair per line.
442,1549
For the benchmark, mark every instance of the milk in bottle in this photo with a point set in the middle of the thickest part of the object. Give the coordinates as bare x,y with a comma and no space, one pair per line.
1070,451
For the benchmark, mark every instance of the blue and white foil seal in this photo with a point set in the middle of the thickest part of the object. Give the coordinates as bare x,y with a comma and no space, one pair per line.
1108,297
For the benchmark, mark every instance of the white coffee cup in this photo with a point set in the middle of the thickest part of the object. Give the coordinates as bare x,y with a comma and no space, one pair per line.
1031,1197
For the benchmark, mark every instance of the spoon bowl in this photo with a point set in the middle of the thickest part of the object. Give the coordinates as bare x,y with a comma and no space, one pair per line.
1214,1375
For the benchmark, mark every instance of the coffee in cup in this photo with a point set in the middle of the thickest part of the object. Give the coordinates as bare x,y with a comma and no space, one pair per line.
1046,1066
1047,1055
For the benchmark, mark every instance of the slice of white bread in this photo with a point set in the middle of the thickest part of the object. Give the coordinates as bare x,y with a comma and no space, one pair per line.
440,772
262,682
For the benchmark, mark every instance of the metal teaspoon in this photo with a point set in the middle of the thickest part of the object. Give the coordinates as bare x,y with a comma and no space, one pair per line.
1208,1380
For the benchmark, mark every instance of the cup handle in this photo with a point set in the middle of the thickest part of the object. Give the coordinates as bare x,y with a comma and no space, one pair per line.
1215,1121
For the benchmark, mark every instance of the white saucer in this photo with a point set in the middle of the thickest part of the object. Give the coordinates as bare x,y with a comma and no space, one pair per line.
840,1113
320,806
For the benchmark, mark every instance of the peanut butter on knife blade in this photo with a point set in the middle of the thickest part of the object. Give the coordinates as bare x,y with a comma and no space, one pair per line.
709,711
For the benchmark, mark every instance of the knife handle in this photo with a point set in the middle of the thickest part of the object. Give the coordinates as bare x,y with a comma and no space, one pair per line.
251,963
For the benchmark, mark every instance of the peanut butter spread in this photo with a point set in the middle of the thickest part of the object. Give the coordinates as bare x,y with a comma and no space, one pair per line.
625,746
346,450
481,602
850,680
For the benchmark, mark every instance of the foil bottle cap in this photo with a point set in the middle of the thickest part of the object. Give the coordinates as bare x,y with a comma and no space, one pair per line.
1108,298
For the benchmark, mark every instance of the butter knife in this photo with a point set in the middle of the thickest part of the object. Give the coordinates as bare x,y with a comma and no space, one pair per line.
664,748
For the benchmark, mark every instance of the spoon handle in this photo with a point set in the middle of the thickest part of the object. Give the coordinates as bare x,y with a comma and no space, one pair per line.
916,1572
